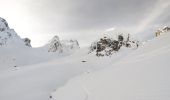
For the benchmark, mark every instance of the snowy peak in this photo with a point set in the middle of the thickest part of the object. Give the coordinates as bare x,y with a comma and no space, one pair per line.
9,37
3,25
57,45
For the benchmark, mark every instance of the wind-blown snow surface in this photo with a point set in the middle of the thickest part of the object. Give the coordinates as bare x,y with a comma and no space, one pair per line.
142,75
38,80
32,74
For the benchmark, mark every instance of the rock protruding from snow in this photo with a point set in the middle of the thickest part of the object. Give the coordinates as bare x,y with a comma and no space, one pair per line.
163,30
57,45
27,42
106,46
9,36
166,29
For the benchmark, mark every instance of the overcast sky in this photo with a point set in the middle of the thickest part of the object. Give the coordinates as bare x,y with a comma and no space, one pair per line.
83,20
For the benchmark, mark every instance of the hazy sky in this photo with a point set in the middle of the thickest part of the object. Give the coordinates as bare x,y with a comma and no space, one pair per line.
83,20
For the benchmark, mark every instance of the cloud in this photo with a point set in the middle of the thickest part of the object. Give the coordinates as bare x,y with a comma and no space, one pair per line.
80,19
157,9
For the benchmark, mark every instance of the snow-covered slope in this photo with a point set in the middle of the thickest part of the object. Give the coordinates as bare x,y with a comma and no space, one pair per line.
8,37
14,51
142,75
17,52
36,74
37,81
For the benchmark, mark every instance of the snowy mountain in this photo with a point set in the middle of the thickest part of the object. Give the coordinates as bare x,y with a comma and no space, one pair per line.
16,51
142,75
62,71
57,45
8,37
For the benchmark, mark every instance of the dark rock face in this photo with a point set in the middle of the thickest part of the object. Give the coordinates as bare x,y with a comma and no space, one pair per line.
120,38
27,42
107,46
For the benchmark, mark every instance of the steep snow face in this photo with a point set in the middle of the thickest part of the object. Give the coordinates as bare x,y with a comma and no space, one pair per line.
66,46
8,36
142,75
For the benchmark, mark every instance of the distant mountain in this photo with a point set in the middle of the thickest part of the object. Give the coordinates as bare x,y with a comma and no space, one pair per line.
61,46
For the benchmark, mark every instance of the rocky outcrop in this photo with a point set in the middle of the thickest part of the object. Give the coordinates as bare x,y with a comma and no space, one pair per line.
162,31
106,46
166,29
27,42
